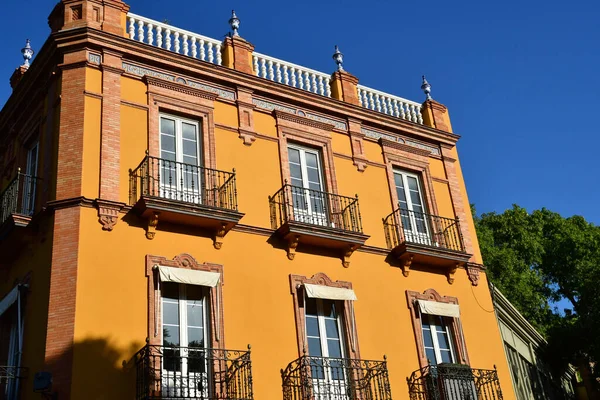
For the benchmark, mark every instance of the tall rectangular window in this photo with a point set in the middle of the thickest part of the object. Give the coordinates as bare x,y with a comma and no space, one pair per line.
180,150
412,207
437,340
307,192
29,180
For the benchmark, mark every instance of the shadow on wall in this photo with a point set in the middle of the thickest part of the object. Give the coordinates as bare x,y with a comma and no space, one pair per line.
100,370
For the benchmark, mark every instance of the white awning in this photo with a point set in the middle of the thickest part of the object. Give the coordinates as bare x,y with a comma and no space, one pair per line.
442,309
189,276
9,299
330,293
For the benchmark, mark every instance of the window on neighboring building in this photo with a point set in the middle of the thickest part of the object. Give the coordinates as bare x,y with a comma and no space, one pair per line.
437,339
306,175
180,153
412,207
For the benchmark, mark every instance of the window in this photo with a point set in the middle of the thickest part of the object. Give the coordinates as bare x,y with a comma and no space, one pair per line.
412,207
306,176
437,339
185,336
180,159
29,180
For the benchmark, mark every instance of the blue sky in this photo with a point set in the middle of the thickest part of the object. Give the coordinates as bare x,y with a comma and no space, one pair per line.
519,77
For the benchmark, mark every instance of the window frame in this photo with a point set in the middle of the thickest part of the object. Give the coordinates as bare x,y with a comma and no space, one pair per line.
214,319
179,120
434,337
454,325
346,314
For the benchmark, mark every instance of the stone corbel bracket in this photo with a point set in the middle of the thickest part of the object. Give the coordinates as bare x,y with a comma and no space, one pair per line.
108,213
473,270
245,108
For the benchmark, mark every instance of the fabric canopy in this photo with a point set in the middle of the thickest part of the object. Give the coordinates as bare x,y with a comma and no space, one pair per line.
9,299
330,293
442,309
188,276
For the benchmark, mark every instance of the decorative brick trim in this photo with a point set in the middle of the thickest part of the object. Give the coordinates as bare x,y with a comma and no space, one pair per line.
359,159
193,103
473,270
413,160
349,324
306,132
246,115
60,331
186,261
108,213
456,326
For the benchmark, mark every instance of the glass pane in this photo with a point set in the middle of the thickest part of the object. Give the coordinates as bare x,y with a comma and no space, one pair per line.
334,348
401,197
296,173
412,183
398,180
188,131
294,155
427,339
331,328
313,176
167,126
170,336
312,326
169,290
167,142
190,160
194,292
190,147
314,347
443,340
311,160
430,354
195,314
311,307
170,313
195,337
329,309
446,356
415,198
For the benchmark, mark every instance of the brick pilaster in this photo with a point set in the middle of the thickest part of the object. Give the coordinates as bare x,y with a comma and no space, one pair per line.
105,15
436,115
344,87
237,54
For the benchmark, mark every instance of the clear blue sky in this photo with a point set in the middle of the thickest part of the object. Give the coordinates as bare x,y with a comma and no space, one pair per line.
520,78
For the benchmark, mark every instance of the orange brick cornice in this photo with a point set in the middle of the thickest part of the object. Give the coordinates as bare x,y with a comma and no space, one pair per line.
457,332
185,261
349,324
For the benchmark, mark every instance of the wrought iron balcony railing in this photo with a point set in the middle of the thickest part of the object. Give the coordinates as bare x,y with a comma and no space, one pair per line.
18,197
454,382
157,177
193,373
9,377
313,207
321,378
407,226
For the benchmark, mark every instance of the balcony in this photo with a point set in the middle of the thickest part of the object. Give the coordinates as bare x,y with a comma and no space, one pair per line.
425,239
454,382
314,218
192,373
321,378
10,378
184,194
17,203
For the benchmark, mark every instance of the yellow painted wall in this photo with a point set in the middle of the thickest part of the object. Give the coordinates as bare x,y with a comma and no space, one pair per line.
111,304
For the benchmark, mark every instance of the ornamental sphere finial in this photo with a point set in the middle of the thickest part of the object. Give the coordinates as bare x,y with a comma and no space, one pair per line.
338,56
426,88
27,53
234,22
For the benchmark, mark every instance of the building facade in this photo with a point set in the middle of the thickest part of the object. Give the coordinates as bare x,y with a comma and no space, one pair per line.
188,218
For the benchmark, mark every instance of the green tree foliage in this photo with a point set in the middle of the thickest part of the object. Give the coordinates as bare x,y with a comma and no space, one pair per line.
538,258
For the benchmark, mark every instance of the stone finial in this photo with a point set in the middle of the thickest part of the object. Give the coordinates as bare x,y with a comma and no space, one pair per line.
27,52
426,88
338,57
234,22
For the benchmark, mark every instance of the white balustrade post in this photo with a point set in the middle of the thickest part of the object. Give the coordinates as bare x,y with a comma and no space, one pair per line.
194,47
384,108
219,56
307,80
150,34
211,56
395,105
255,63
293,73
168,39
263,68
140,30
321,87
413,113
202,52
313,80
131,28
378,102
360,94
286,78
300,80
371,103
177,43
186,49
271,75
159,36
327,87
278,72
419,115
402,110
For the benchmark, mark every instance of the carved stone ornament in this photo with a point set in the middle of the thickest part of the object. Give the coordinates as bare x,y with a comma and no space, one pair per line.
152,223
450,274
347,254
473,272
292,245
108,213
219,235
406,266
